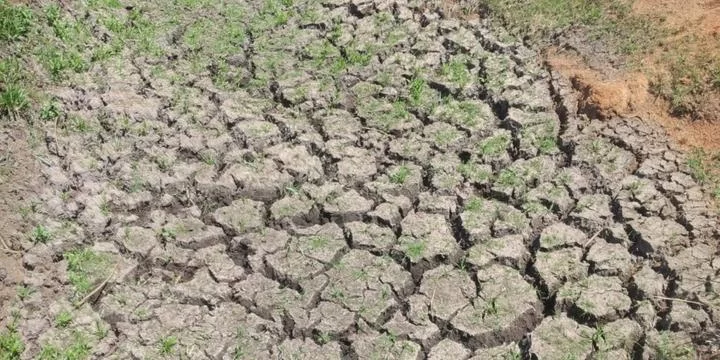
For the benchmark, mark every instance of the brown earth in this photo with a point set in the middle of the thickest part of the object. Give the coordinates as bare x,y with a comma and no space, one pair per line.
18,182
695,28
627,94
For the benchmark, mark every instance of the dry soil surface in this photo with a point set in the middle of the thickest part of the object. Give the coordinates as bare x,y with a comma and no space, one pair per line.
355,180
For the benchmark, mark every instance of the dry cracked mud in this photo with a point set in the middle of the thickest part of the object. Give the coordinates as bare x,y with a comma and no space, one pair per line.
351,179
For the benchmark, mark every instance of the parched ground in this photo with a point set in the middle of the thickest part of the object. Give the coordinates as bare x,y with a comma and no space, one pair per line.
342,180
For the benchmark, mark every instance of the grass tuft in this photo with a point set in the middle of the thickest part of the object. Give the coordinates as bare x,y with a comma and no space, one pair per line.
457,72
40,234
400,175
11,344
85,269
13,99
78,349
24,292
167,344
417,86
689,78
415,250
50,111
474,204
63,319
525,17
494,145
15,21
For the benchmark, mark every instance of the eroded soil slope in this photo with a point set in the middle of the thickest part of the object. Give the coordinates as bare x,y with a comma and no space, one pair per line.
349,180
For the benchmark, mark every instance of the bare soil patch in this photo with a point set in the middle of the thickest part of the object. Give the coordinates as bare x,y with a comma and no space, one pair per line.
19,186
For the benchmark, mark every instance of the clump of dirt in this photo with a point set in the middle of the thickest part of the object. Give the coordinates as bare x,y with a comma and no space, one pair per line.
602,95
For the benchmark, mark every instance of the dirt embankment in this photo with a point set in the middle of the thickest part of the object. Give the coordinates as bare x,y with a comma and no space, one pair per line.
675,82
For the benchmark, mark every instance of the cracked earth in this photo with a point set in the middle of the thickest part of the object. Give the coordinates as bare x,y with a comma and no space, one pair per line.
354,179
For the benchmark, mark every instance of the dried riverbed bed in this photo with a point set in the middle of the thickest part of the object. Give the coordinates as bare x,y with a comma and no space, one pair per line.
349,180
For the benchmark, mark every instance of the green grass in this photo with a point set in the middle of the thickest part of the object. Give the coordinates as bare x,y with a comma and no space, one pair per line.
318,241
40,234
667,349
610,21
278,11
167,345
705,169
494,145
50,352
530,17
79,125
467,112
239,351
105,207
415,250
24,292
446,136
78,349
336,293
690,76
417,87
384,116
457,72
208,158
474,172
101,331
11,71
323,337
509,177
421,96
544,139
63,319
696,163
11,344
491,307
15,21
13,99
50,111
85,269
474,204
546,144
599,336
168,233
400,175
59,62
